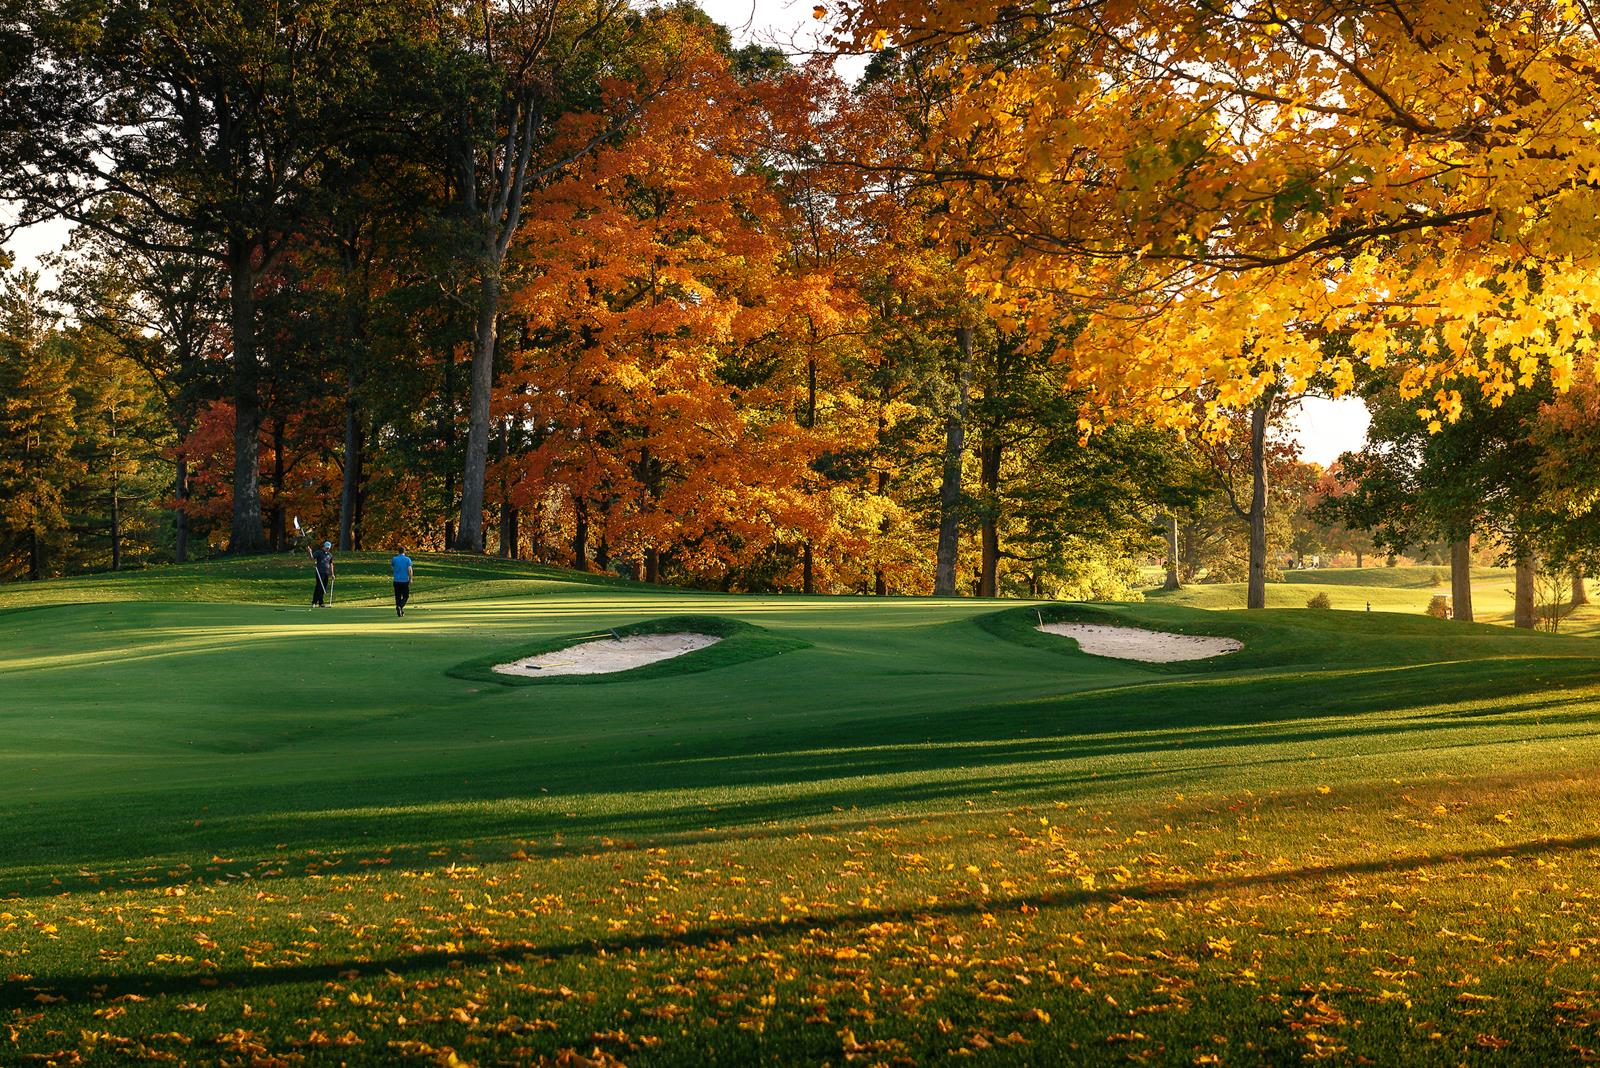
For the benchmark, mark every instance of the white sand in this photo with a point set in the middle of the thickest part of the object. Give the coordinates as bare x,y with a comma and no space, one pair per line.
1132,643
611,654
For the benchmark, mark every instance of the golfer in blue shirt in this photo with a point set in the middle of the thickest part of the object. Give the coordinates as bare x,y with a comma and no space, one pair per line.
400,564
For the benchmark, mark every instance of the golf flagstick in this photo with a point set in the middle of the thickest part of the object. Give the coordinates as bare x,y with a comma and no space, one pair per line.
326,588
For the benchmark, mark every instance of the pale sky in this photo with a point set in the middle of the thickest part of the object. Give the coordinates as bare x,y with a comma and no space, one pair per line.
1326,427
779,22
1330,427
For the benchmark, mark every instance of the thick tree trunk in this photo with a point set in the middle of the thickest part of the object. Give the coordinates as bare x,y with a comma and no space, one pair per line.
1461,580
1525,612
1260,417
350,488
580,534
1174,581
649,473
356,539
808,566
180,509
509,531
116,522
880,581
35,556
116,498
246,534
989,454
955,431
357,293
602,552
1580,589
469,531
279,524
508,511
1361,558
448,435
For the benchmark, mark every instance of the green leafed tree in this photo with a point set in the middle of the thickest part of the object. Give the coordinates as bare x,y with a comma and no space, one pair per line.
219,120
1412,486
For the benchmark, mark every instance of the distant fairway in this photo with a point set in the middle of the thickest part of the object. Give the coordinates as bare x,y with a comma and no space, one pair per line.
235,830
1387,589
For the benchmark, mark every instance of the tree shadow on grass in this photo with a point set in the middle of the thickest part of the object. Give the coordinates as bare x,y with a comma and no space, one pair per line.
20,993
490,826
355,840
918,760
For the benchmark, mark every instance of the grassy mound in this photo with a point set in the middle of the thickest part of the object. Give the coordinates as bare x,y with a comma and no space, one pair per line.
1021,627
235,831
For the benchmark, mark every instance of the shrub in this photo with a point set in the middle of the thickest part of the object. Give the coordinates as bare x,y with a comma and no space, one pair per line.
1439,607
1436,579
1319,600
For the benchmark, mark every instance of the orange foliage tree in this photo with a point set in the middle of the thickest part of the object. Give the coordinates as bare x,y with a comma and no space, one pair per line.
675,349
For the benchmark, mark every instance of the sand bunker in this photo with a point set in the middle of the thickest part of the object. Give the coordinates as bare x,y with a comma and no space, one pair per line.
1151,646
611,654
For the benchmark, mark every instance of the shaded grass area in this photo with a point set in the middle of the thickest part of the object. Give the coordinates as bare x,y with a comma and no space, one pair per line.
231,832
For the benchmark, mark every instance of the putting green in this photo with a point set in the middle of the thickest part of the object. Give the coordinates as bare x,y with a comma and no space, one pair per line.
235,829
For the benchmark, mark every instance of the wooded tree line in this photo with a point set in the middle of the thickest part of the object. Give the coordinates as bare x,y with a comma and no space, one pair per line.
568,281
582,282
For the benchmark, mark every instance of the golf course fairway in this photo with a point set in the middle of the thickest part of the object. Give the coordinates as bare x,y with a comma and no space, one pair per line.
855,831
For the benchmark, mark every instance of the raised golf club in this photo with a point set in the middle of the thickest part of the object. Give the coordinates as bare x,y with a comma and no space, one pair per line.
326,588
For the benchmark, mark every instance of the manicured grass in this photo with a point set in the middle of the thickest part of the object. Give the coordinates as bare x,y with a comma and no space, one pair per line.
236,830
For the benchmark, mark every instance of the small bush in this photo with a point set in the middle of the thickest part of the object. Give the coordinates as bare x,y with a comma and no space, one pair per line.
1436,579
1439,607
1319,600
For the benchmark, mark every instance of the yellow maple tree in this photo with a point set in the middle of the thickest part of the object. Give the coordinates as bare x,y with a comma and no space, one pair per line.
1227,187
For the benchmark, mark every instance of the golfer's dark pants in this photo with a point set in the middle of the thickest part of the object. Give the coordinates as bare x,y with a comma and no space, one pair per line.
319,589
402,594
